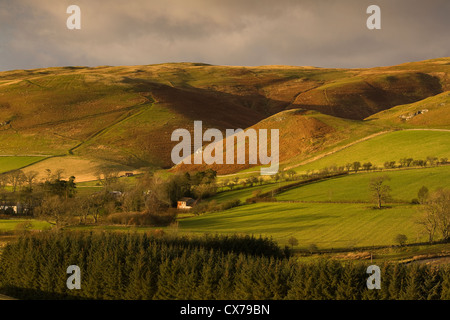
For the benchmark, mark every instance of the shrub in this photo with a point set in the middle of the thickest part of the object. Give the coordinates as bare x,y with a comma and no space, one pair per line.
23,227
159,219
230,204
212,206
313,248
401,239
293,241
204,206
123,218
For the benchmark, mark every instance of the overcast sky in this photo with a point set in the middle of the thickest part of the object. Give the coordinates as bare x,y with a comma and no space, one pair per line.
322,33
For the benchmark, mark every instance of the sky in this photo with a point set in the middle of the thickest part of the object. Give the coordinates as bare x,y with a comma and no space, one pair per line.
321,33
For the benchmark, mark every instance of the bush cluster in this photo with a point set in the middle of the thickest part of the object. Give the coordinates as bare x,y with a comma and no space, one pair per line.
142,218
213,206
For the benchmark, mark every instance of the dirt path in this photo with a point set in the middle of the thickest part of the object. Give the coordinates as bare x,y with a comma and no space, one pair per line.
424,129
140,107
433,261
340,148
89,116
320,156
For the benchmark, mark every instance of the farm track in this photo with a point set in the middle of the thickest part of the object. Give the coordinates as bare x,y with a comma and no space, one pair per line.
99,132
338,149
320,156
91,116
127,116
129,112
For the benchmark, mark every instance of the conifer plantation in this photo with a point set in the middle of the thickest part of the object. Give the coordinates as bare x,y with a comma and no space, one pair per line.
141,266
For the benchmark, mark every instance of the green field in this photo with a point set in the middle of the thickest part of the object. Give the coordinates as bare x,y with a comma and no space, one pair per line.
12,224
248,192
326,225
123,117
355,187
392,146
13,163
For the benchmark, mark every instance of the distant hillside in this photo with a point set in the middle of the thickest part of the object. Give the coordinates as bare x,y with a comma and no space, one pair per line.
302,133
126,115
388,146
431,112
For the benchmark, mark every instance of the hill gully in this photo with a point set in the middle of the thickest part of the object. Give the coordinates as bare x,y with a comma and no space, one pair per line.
213,153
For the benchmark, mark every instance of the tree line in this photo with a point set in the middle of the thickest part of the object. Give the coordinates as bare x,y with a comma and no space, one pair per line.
132,266
357,166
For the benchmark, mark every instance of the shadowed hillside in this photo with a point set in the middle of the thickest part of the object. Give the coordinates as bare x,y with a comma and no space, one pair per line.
302,133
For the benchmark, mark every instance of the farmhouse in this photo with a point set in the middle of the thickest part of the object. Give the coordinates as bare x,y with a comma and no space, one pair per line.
185,203
127,174
11,208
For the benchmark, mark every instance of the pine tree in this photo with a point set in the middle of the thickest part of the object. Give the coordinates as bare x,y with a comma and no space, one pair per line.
431,286
396,284
445,284
413,284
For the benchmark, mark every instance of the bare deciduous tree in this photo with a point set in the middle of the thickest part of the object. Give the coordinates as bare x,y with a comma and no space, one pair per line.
293,241
436,215
57,211
380,191
30,178
108,177
16,178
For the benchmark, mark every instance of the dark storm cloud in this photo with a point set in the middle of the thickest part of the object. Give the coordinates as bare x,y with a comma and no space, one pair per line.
326,33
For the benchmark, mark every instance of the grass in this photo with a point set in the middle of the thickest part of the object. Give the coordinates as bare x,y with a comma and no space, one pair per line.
404,184
11,225
247,192
126,115
141,140
84,169
90,110
381,255
326,225
391,146
407,252
17,162
436,117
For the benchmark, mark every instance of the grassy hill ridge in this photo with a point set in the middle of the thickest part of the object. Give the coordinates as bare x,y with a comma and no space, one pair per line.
125,115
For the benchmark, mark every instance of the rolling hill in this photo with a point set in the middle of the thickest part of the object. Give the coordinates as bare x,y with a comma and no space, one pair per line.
417,144
354,187
302,134
325,225
432,112
124,116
